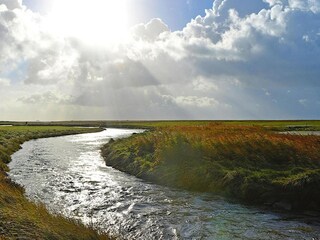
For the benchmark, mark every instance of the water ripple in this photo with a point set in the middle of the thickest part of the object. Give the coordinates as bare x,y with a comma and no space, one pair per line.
70,177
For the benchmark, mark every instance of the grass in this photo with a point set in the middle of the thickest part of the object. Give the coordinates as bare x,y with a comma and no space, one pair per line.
241,160
283,125
20,218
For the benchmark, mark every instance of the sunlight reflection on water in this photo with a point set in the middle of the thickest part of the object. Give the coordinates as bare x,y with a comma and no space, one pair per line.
70,177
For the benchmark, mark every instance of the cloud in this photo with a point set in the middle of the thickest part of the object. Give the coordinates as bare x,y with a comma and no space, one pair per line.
21,37
44,98
303,101
249,47
213,68
11,4
150,31
4,82
304,5
204,85
193,101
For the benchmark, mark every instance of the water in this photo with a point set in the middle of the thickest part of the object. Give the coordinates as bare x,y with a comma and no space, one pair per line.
303,133
70,177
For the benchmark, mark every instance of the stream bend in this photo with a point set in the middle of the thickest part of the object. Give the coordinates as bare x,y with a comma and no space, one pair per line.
69,176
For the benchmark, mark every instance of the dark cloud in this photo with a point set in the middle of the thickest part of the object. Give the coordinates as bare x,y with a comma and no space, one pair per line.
12,4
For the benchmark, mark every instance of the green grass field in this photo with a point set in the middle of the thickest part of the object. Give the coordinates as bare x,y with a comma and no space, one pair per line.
20,218
275,125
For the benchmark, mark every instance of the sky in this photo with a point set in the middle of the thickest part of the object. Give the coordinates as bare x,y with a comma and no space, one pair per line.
175,14
160,59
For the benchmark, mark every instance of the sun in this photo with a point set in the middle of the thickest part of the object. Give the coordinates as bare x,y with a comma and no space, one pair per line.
93,21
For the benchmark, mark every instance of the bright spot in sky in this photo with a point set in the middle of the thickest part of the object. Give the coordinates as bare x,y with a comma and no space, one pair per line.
92,21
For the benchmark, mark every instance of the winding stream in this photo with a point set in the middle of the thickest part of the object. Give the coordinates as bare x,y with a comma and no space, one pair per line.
69,175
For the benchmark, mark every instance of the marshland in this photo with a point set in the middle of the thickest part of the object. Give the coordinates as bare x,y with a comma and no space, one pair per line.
208,179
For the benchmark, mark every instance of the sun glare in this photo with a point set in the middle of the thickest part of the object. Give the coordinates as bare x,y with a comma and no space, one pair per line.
93,21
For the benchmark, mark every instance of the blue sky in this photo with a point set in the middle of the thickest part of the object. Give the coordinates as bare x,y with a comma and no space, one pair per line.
159,59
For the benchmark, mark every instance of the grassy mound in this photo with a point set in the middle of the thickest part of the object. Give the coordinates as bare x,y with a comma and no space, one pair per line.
20,218
248,163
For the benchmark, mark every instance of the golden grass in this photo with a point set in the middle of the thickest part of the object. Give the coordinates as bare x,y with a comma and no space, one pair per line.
252,164
20,218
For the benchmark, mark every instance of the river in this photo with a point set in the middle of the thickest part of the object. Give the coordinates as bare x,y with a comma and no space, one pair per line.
69,176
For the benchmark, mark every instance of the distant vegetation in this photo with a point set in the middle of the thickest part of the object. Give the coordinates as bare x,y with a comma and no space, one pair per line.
20,218
241,160
284,125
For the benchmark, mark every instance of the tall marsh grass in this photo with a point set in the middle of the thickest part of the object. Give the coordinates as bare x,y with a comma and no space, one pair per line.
248,163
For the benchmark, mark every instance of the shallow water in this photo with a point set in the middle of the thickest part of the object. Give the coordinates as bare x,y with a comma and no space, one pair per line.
304,133
70,177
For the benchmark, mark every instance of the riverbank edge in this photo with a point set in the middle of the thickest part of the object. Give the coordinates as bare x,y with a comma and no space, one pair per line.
21,218
128,164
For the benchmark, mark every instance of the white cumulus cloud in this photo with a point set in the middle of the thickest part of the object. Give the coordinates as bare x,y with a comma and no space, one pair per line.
215,66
